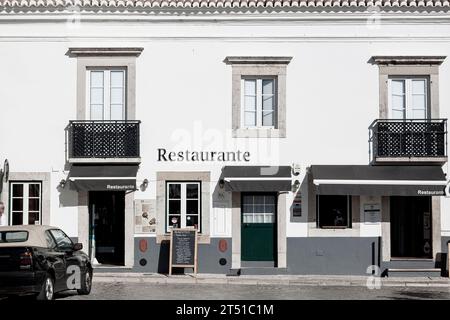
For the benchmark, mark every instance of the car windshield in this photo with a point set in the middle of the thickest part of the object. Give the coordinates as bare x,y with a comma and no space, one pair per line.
13,236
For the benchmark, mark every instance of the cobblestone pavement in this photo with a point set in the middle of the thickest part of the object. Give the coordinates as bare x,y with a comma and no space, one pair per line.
129,290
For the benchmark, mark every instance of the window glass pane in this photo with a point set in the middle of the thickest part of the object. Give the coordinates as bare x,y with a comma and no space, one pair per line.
33,217
117,78
174,221
258,218
50,242
268,103
269,218
17,204
117,112
419,106
250,119
96,96
398,87
398,102
174,191
250,87
192,191
398,114
62,241
97,112
174,206
268,119
248,218
418,114
250,103
268,86
192,221
13,236
418,86
34,190
191,206
116,96
96,79
17,190
333,211
33,205
17,218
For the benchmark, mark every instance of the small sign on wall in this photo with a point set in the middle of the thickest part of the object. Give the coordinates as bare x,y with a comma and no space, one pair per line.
372,213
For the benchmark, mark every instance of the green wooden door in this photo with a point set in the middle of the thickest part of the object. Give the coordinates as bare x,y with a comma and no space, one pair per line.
258,229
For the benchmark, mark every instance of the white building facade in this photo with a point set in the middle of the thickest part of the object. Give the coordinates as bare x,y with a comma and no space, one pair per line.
302,137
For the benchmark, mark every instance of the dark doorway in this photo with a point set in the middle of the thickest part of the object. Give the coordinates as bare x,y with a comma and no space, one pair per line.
107,229
411,235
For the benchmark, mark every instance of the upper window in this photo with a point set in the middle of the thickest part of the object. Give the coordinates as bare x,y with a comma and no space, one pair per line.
183,205
408,98
259,99
106,94
25,203
334,211
258,208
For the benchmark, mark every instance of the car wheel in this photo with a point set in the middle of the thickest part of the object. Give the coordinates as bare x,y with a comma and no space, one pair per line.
86,283
48,289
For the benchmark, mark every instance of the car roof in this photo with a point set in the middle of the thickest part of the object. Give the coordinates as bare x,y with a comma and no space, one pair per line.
36,236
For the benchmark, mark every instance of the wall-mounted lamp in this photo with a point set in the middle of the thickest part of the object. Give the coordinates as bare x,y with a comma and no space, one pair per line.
144,185
221,183
296,185
62,183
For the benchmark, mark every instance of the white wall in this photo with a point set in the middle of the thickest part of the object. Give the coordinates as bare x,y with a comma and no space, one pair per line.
183,93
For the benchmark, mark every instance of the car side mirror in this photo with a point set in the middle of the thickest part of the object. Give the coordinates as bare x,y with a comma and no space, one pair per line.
77,246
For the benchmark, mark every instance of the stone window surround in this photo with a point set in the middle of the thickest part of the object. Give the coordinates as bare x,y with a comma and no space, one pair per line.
427,66
43,177
409,66
258,66
106,57
162,177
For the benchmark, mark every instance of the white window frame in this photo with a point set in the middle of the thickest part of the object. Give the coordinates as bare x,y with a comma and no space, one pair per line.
184,199
25,210
259,102
408,111
106,91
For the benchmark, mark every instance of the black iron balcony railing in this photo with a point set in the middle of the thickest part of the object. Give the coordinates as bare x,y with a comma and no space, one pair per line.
410,138
103,139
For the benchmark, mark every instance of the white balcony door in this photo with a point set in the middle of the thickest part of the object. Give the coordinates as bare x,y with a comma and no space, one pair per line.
106,94
408,98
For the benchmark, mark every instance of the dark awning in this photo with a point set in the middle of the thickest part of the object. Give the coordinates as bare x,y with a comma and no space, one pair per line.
257,178
378,180
103,177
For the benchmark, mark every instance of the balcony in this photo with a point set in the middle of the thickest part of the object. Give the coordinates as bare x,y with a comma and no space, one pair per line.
409,141
103,141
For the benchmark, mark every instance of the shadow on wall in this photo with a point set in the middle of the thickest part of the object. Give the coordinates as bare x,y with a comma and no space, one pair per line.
67,196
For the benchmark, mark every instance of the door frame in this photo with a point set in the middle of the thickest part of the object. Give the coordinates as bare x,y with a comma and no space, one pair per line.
275,236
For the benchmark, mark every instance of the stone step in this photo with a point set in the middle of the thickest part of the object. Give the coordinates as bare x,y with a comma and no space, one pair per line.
414,272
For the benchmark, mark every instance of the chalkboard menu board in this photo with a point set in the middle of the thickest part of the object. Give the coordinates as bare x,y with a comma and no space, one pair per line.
183,249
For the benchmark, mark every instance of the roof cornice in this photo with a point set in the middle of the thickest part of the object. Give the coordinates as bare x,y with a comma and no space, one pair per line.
257,60
106,52
408,60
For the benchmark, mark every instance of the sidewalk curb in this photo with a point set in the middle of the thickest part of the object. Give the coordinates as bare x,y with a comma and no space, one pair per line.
299,281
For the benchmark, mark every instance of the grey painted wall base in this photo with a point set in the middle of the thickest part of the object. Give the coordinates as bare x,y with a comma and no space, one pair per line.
157,257
332,255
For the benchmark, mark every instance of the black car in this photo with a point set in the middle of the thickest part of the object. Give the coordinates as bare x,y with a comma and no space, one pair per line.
41,260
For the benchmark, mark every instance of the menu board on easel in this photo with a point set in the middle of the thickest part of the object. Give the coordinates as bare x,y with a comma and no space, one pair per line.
183,249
